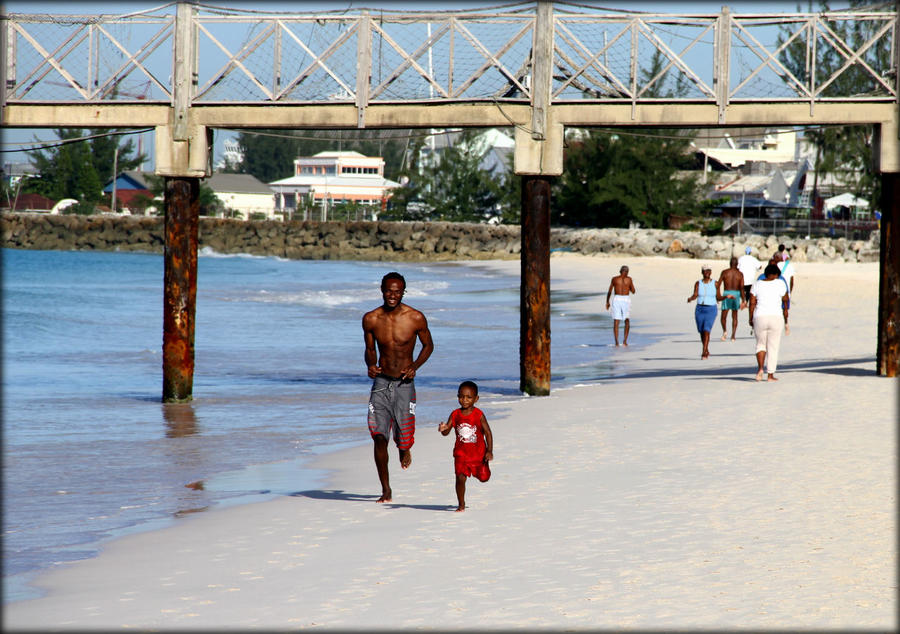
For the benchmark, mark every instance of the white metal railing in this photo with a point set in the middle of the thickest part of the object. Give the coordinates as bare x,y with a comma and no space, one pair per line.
246,57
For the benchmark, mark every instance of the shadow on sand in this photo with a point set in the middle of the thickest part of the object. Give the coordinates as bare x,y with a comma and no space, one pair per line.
338,494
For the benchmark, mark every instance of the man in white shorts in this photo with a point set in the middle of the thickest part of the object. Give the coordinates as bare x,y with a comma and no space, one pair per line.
621,303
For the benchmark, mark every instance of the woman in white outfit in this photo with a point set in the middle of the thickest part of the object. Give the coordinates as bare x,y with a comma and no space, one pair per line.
767,319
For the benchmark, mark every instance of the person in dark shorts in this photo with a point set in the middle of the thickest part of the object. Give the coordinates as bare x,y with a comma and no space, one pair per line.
390,332
474,447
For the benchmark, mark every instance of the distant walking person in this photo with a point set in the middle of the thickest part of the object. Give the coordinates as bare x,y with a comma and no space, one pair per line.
732,281
748,266
788,270
621,303
767,320
393,327
474,447
706,293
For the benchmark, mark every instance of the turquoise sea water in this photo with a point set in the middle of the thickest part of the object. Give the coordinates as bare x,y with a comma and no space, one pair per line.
89,449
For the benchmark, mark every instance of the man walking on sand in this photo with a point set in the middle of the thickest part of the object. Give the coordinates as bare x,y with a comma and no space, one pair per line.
621,303
731,286
393,327
748,266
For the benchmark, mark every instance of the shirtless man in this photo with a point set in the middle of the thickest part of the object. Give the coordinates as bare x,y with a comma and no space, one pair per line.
621,304
393,327
731,285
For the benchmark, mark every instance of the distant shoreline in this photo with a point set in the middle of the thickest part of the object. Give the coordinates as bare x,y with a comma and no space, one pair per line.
404,241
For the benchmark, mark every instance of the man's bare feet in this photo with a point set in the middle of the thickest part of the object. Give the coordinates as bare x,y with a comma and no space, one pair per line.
723,336
732,338
787,329
385,497
460,509
771,378
624,343
405,458
759,375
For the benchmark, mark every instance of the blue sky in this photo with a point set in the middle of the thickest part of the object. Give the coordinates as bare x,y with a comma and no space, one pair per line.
14,138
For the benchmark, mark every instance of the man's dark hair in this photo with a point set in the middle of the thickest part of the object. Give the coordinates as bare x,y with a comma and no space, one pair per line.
780,247
393,275
470,384
772,269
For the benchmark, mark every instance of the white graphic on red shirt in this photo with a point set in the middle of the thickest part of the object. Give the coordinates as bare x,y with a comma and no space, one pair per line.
466,432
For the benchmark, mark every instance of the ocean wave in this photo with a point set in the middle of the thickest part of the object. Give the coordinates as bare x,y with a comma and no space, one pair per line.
209,252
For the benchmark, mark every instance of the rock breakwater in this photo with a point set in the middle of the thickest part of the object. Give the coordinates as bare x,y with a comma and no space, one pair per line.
404,241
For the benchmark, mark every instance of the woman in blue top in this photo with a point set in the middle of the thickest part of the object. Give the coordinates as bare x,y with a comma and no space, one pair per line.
707,296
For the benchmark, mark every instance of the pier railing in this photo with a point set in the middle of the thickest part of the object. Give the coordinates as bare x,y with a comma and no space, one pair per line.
600,56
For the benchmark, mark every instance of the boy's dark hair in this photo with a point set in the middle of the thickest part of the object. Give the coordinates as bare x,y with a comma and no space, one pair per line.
771,269
470,384
393,275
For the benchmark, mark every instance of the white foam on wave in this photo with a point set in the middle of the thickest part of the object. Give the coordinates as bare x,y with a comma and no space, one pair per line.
209,252
308,298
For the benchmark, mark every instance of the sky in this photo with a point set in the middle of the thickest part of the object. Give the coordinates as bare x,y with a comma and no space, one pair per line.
20,137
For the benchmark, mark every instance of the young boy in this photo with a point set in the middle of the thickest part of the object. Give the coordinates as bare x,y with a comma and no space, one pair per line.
474,441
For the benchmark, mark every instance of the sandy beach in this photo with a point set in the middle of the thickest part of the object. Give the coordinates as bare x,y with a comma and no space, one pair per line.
678,494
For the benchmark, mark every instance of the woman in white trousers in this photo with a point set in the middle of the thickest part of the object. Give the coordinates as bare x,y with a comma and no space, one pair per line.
767,319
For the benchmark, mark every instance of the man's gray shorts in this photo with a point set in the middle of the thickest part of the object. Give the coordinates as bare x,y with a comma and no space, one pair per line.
392,406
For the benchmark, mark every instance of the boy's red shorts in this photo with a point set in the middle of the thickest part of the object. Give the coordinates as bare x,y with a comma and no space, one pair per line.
479,470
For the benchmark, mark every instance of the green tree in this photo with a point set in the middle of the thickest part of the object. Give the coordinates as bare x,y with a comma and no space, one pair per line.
80,165
611,180
454,188
210,205
843,150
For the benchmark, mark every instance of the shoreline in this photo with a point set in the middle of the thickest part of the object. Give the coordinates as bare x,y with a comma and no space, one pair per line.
643,515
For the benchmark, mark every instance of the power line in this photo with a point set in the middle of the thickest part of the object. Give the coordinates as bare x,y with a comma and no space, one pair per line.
61,142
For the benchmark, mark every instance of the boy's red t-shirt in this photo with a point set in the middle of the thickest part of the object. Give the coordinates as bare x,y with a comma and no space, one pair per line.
468,452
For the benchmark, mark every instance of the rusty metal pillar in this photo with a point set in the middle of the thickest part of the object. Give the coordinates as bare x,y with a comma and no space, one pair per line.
888,356
182,223
534,308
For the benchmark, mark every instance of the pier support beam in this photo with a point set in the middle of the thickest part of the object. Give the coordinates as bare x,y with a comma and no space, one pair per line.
182,222
534,337
888,356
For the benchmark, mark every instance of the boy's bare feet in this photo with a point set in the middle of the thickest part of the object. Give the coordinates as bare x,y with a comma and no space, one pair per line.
385,497
405,458
771,378
759,375
460,509
723,336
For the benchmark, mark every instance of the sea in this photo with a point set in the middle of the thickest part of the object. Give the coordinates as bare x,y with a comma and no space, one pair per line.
90,451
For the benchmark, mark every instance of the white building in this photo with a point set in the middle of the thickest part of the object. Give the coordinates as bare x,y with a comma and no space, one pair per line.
331,178
736,146
245,194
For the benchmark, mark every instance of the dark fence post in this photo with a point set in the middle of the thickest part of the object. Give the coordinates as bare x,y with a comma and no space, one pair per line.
182,220
534,308
888,356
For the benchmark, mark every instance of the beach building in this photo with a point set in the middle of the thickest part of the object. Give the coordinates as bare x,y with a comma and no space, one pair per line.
243,195
328,179
737,146
132,191
493,145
